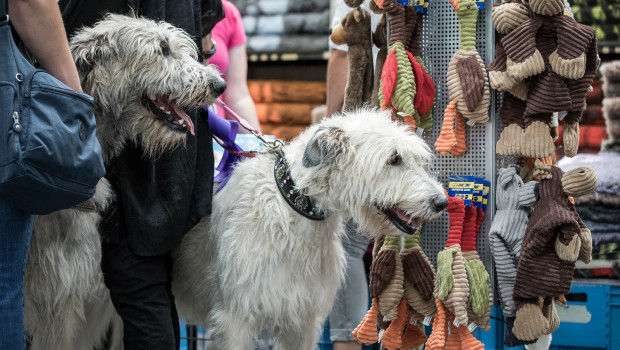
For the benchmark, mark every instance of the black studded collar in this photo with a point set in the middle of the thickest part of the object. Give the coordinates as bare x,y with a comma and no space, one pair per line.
302,204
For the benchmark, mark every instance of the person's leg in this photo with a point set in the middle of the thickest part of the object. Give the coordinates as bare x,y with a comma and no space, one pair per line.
174,315
15,232
139,290
351,301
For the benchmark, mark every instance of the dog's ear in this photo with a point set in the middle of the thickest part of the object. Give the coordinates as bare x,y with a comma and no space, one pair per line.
324,146
86,48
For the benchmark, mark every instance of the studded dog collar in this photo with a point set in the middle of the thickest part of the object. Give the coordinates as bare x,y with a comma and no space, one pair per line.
302,204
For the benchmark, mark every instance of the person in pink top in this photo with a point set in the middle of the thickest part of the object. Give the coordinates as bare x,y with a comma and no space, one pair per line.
225,48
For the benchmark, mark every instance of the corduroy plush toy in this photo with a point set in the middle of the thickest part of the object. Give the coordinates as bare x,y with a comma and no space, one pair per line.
379,39
467,83
480,298
354,30
559,56
514,201
551,245
419,279
506,17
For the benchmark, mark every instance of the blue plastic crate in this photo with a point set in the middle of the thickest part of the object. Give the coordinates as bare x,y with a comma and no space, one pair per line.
591,318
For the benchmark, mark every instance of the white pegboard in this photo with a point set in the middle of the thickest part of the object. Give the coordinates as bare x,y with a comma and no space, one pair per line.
440,40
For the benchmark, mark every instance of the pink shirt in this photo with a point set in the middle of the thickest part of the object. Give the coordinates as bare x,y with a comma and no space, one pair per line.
227,34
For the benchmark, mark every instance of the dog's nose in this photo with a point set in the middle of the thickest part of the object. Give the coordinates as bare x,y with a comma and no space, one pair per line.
218,86
440,203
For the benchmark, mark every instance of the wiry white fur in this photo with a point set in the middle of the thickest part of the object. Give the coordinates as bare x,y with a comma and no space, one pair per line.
67,305
256,264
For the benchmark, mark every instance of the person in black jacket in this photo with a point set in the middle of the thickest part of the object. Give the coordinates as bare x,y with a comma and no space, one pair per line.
157,201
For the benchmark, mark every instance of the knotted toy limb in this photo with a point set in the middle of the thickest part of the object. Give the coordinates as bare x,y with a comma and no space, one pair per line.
437,339
366,332
447,139
393,291
392,338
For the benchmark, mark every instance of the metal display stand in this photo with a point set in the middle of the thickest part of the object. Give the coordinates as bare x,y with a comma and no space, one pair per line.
440,40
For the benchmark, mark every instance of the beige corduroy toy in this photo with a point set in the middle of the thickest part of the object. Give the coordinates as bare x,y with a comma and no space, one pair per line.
558,56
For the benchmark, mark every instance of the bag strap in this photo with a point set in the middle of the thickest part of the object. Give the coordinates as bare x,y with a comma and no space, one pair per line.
4,11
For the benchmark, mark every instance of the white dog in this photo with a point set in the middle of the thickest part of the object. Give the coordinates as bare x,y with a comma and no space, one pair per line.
140,74
258,265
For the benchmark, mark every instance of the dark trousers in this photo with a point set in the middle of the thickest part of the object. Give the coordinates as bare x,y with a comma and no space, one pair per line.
141,291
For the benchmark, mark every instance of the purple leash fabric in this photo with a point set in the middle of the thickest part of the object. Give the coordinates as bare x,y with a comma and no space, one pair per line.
225,132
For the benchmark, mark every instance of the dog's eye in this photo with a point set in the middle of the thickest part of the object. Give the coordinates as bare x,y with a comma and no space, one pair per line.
165,48
395,159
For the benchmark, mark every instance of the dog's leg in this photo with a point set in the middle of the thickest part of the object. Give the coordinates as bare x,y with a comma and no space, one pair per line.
232,332
305,339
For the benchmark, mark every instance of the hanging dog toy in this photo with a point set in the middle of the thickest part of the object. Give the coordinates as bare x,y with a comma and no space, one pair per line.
554,239
467,83
559,57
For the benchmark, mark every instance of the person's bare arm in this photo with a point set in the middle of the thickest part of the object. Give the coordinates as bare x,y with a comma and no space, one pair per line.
337,74
237,95
40,26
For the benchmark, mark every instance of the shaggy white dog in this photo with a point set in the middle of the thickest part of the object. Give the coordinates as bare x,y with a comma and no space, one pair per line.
140,73
257,265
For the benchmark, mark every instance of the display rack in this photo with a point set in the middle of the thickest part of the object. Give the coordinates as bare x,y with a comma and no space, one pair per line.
440,40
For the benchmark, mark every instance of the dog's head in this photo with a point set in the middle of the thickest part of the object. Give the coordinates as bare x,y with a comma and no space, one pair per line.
371,169
142,75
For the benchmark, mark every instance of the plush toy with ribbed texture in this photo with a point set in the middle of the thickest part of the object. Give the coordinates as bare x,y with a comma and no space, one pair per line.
379,39
559,56
425,87
513,201
480,298
354,30
401,285
398,87
506,17
551,245
467,84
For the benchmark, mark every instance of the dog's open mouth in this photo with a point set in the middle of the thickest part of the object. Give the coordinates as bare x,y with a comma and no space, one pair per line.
168,111
403,222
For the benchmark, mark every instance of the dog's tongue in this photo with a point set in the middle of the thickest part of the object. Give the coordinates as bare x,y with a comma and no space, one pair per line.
179,113
406,219
176,111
